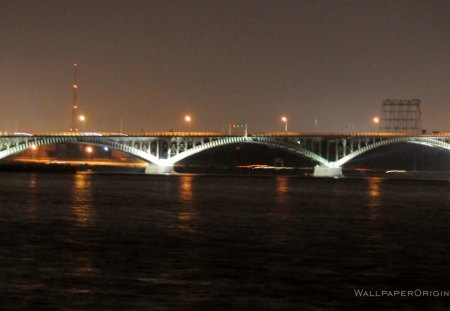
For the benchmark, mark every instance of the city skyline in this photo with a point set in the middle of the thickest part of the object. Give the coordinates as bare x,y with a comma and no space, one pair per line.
321,64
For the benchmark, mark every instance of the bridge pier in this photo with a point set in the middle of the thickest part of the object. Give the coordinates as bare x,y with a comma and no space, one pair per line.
153,169
327,171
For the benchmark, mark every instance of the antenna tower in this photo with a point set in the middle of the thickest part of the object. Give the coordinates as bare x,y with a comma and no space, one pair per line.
74,123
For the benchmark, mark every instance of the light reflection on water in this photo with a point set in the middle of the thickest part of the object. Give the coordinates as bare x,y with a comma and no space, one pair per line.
374,197
282,188
31,208
187,212
81,266
281,212
82,199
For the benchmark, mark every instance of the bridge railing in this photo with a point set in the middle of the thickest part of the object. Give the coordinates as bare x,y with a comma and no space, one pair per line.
218,134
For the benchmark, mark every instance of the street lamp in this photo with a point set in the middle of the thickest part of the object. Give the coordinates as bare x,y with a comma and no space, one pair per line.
284,119
82,118
89,150
188,119
376,120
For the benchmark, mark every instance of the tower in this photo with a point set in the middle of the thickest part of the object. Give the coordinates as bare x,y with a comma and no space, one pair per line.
74,122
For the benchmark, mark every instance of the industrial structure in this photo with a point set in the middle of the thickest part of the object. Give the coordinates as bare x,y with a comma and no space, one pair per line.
401,115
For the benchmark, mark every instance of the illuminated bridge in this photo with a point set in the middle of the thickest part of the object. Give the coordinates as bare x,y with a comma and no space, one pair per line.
162,150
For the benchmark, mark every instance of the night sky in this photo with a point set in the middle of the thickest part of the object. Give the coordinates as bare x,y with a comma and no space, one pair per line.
152,62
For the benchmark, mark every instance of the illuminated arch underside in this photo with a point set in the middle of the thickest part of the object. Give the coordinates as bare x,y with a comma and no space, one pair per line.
24,143
425,141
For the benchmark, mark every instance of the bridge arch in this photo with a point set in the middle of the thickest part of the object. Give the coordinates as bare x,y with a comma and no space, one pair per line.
146,156
288,146
425,141
140,146
16,145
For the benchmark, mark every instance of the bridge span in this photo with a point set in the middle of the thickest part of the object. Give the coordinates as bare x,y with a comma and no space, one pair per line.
162,150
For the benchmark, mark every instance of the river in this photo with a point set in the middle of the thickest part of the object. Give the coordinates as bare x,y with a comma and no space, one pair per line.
87,241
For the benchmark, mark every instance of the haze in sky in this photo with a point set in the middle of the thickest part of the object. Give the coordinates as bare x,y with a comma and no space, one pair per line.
152,62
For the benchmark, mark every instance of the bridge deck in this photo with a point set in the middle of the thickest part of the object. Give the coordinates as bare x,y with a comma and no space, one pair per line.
167,148
217,134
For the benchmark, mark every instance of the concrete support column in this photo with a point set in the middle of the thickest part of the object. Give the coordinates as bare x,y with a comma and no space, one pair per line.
328,150
336,147
327,171
169,148
153,169
320,148
157,149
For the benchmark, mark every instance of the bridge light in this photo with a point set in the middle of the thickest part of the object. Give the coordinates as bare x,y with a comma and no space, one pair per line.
106,148
33,147
284,119
376,120
82,118
188,119
89,151
238,125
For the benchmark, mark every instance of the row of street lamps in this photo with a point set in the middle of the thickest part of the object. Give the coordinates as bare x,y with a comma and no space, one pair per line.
188,119
89,150
284,119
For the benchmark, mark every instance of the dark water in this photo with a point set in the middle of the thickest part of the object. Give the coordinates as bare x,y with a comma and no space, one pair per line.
135,242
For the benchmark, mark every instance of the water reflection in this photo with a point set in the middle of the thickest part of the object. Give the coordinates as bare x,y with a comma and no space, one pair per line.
187,213
84,266
282,188
281,212
32,204
374,197
82,200
186,189
78,262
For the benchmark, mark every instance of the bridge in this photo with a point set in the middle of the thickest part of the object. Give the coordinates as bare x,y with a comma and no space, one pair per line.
162,150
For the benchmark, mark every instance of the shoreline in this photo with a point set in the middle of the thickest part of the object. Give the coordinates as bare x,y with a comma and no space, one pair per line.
139,168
